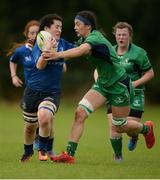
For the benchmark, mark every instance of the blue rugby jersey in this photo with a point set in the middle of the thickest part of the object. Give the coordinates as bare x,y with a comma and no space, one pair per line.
23,55
49,78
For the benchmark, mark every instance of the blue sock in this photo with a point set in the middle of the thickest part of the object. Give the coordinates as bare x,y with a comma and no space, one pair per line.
50,144
43,143
28,149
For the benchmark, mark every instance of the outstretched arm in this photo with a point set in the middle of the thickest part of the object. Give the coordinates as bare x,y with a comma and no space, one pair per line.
69,54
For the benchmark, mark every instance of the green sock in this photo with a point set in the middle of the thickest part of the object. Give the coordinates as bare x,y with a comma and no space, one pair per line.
117,146
144,129
71,148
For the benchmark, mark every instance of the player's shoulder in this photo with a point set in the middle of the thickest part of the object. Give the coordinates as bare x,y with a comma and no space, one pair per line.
95,34
64,43
20,48
95,38
138,49
19,51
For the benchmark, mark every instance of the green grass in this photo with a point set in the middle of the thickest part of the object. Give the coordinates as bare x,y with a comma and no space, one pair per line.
94,158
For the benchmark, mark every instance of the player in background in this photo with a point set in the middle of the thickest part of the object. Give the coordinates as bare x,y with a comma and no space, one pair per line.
21,54
42,94
138,67
112,85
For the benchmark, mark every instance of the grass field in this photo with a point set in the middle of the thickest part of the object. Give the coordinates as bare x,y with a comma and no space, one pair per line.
94,158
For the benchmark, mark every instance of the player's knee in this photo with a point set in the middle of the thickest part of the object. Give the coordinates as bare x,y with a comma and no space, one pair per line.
113,129
119,122
44,117
42,114
80,115
30,129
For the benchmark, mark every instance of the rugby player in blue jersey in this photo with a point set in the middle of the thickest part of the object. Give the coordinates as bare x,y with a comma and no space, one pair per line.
21,54
42,94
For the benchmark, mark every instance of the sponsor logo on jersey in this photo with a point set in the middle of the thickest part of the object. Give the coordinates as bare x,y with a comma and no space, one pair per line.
55,63
28,58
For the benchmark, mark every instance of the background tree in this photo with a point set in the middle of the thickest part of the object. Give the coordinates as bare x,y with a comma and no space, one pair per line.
142,14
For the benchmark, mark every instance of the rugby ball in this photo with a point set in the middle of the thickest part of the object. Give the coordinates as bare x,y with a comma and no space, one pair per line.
44,40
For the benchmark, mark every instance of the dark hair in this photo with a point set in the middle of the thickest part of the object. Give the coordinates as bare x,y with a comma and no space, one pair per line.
48,20
90,16
121,25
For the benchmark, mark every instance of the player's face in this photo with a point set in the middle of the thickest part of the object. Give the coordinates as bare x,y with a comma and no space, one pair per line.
32,32
122,37
81,29
56,29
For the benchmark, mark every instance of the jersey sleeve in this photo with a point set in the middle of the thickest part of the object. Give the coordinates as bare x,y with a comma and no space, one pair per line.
92,40
15,57
143,61
99,50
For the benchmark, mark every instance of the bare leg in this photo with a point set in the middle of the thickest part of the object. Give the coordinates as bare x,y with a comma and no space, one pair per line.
96,100
133,119
29,133
132,126
90,102
45,121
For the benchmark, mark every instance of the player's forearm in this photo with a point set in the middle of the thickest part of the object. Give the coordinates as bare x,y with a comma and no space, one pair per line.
41,63
72,53
69,54
13,69
145,78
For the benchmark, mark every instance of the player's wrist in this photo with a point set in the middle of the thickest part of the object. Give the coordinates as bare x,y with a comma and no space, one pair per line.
14,75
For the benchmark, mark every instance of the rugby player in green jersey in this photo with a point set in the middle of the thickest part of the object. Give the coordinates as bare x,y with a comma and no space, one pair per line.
112,85
138,67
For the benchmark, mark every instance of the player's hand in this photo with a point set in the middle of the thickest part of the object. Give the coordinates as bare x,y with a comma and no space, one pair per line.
17,82
50,44
49,55
53,44
135,84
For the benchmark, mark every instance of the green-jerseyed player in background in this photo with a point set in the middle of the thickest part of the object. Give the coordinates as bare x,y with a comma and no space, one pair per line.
112,85
138,67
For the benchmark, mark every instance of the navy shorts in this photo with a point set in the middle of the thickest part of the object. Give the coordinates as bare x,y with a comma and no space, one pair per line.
31,99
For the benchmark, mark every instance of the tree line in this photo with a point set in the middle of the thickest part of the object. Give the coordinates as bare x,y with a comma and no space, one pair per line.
143,15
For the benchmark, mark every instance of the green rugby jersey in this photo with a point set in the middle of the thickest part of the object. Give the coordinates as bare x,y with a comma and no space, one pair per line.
104,57
135,62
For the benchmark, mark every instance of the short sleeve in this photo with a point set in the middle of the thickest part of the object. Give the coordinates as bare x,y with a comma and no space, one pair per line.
15,57
143,61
